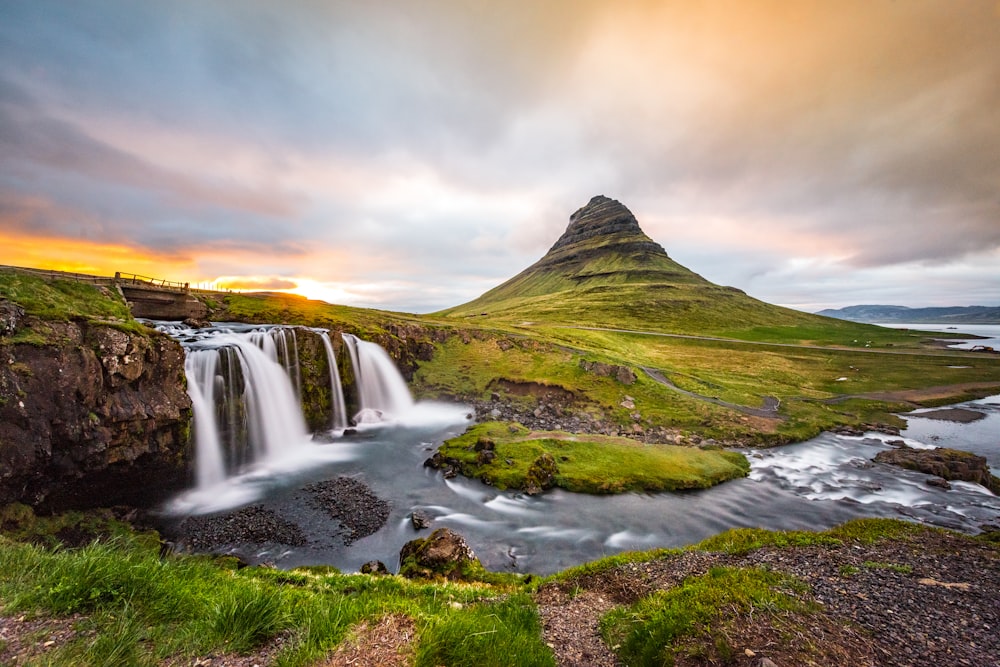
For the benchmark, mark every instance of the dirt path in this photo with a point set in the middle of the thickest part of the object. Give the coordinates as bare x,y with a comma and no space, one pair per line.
769,409
932,600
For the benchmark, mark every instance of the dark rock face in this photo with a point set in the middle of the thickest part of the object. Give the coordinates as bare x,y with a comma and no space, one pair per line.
600,217
95,417
608,221
947,464
443,553
11,316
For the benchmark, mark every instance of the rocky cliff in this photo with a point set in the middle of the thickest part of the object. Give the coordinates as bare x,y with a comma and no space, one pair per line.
90,414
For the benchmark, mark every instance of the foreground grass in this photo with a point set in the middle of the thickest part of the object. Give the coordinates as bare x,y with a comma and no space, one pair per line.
130,606
587,463
141,610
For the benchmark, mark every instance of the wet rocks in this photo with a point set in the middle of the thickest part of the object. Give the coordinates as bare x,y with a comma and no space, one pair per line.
444,553
947,464
253,525
351,503
541,474
420,520
375,567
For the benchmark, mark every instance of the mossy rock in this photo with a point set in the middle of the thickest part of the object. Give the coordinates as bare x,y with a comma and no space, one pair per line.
541,474
442,554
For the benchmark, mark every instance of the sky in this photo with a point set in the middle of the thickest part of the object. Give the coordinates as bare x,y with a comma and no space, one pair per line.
411,155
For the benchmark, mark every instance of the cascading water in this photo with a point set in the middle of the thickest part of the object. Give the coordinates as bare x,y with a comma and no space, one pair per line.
200,368
338,417
245,388
382,393
245,407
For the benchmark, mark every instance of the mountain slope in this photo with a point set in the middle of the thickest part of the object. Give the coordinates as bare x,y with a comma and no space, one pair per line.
903,314
605,271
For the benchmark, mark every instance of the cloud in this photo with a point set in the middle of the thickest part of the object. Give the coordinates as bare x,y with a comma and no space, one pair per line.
439,147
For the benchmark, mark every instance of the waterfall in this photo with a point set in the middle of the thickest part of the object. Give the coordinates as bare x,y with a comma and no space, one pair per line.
245,386
200,366
338,418
382,393
245,406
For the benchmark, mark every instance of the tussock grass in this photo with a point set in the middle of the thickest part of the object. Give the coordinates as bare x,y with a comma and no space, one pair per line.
138,609
58,299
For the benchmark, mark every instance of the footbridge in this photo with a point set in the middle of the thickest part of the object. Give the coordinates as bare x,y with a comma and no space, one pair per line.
158,299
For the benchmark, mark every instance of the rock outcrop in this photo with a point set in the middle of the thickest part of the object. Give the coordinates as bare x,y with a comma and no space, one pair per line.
93,416
444,553
948,464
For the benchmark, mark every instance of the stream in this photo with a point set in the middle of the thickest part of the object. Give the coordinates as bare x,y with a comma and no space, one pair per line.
811,485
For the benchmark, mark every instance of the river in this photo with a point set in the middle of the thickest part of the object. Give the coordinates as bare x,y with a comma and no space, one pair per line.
811,485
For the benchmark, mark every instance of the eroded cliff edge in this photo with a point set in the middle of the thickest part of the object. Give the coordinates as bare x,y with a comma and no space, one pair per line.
91,414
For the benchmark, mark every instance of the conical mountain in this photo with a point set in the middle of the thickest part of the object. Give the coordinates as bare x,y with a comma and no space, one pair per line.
605,271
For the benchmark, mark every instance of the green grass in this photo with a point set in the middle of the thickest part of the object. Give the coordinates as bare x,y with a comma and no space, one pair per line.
132,607
501,633
590,463
652,631
143,610
56,299
805,380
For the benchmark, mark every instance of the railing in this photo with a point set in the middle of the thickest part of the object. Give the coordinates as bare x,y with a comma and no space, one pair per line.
146,281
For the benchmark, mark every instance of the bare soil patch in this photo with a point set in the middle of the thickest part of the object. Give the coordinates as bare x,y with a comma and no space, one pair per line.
387,643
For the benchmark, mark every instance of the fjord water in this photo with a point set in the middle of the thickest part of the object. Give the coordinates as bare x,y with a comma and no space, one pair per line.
811,485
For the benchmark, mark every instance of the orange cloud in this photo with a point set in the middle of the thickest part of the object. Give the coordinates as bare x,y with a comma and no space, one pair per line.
80,256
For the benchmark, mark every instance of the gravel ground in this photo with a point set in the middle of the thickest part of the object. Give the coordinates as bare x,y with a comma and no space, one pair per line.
254,525
352,503
933,600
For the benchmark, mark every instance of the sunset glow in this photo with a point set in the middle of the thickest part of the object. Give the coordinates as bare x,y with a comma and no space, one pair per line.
411,157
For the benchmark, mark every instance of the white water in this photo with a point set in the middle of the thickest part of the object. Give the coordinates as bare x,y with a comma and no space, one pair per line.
338,416
382,393
199,366
811,485
249,431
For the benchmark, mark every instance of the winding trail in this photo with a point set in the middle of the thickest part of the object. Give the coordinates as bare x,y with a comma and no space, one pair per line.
769,410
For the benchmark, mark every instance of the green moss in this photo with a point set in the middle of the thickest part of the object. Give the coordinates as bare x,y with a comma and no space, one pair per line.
587,463
57,299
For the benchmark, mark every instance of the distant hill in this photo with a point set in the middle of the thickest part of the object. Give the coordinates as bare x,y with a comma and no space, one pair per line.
902,314
605,271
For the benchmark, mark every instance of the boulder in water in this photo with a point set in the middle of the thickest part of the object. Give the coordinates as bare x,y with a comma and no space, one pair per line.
948,464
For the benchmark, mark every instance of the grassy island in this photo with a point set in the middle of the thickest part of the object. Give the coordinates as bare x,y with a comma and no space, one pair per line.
510,456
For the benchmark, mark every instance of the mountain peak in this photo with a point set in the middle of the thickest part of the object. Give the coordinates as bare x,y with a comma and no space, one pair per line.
601,216
601,227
